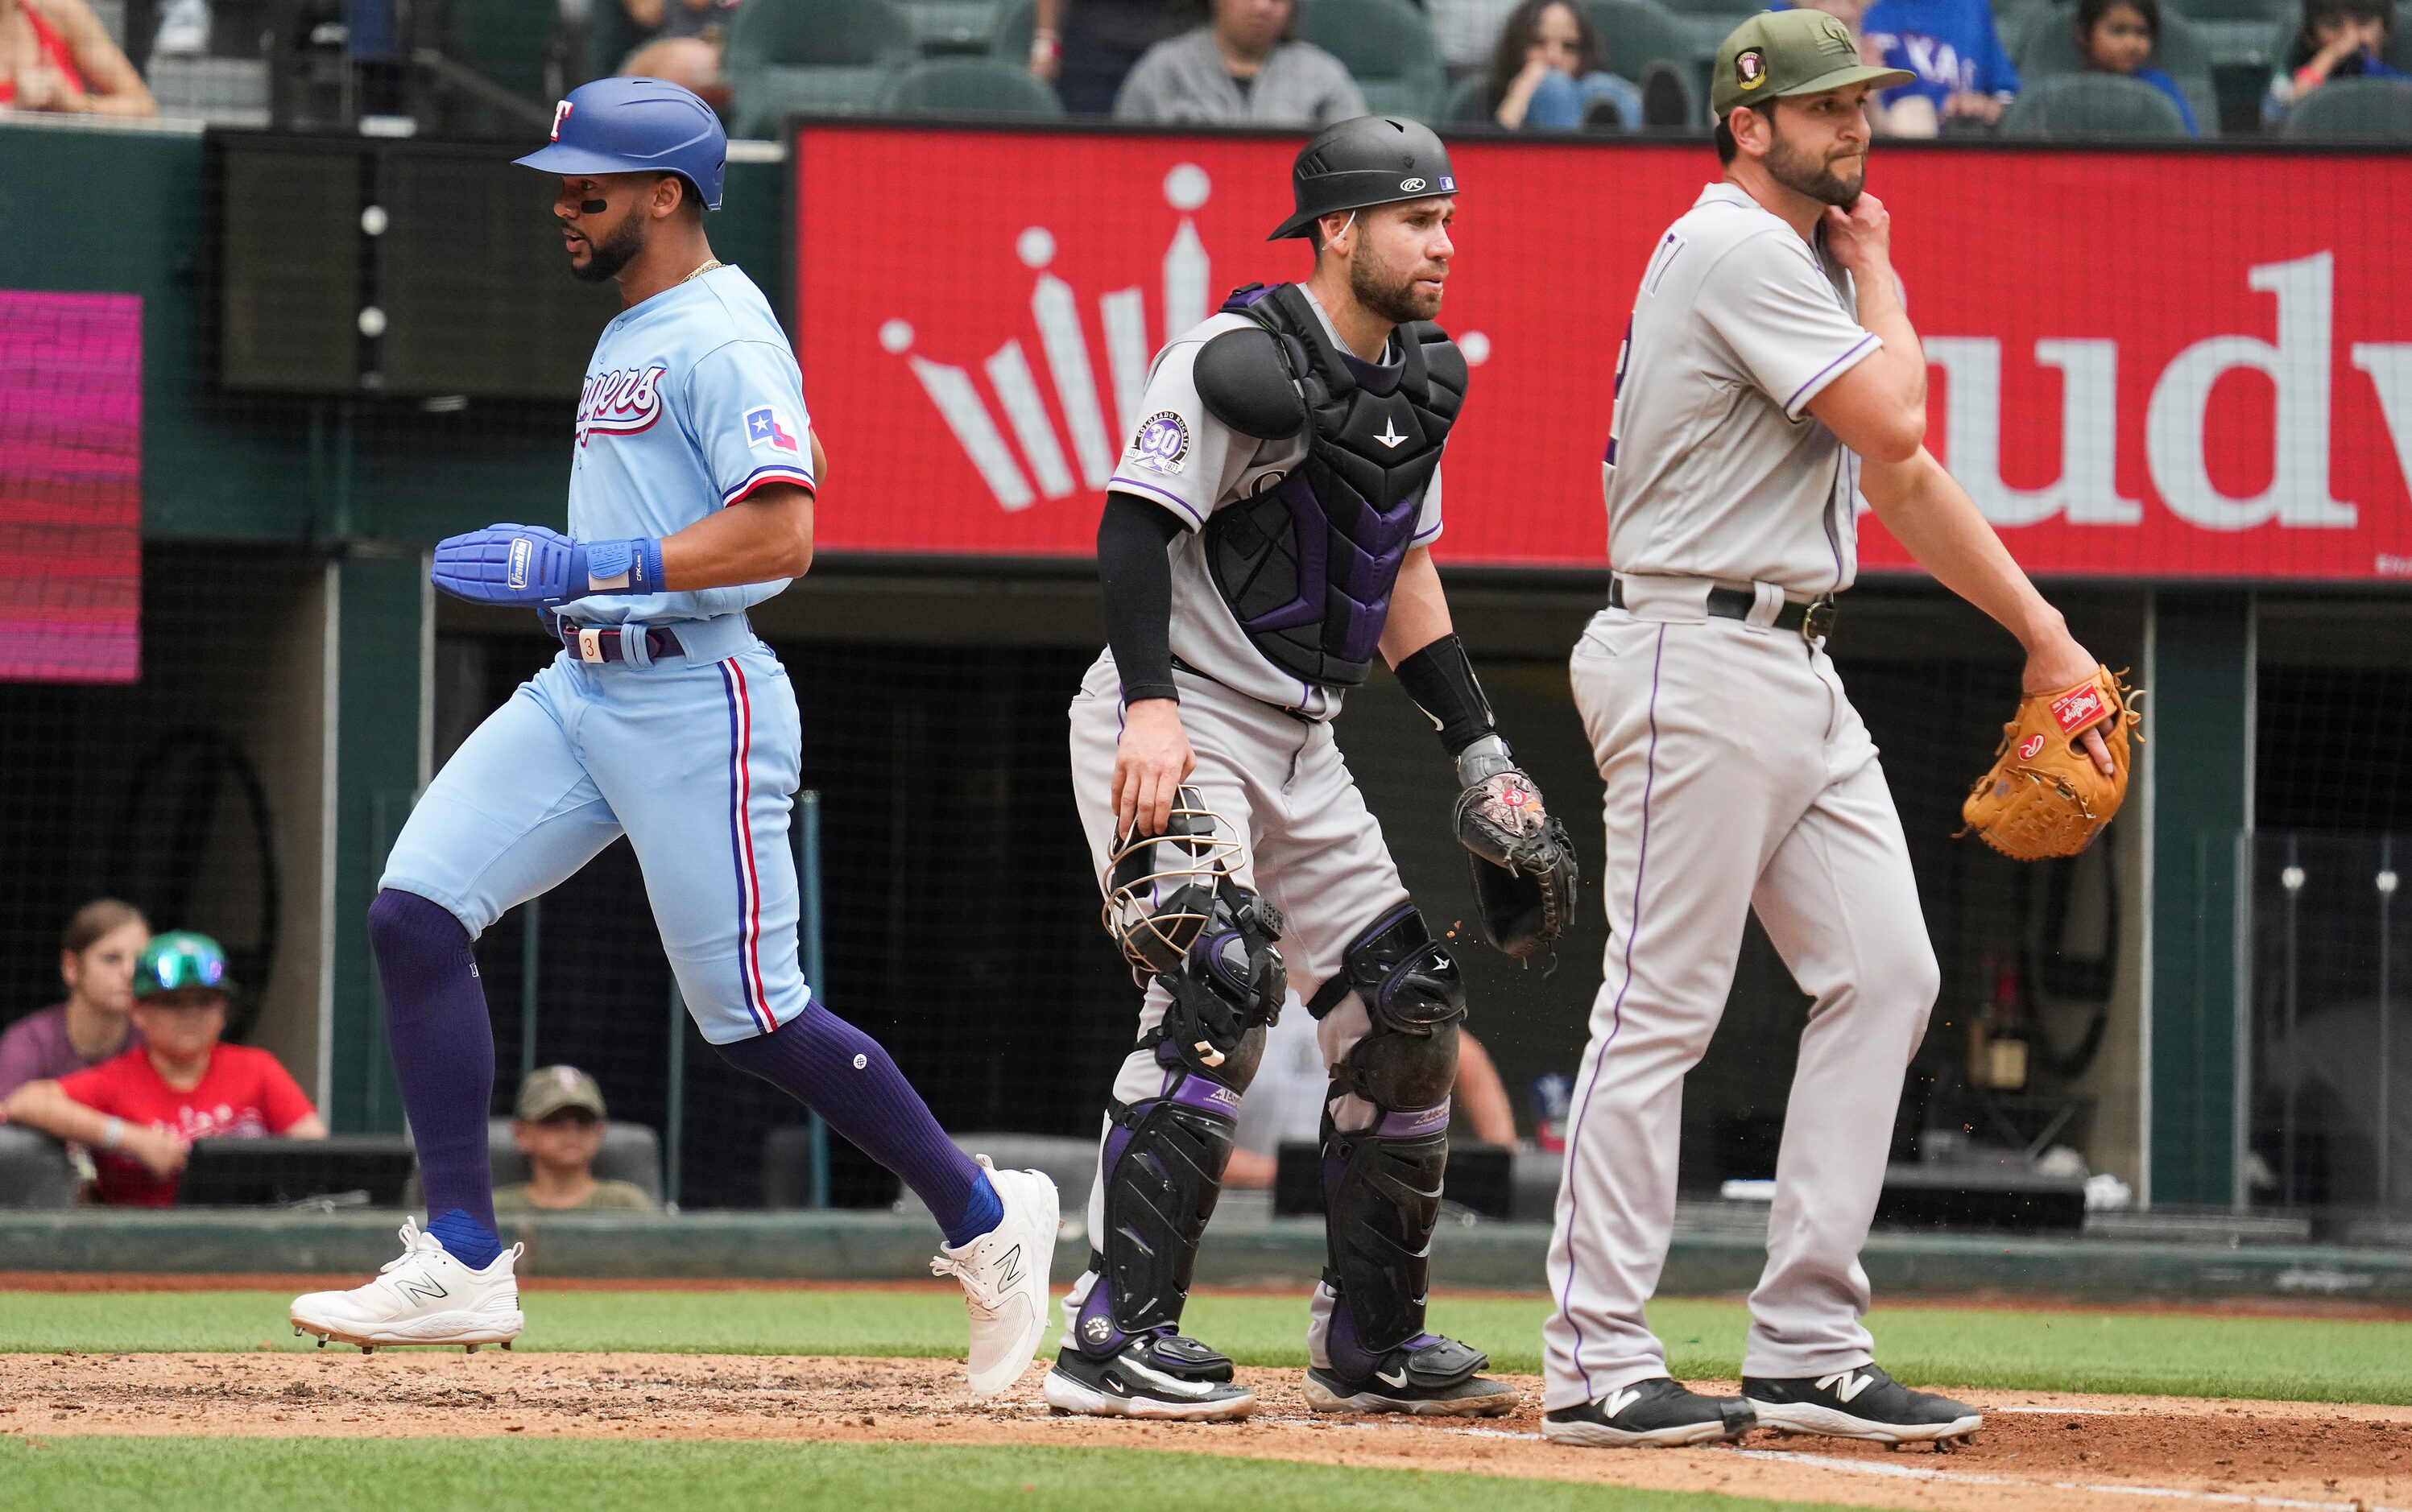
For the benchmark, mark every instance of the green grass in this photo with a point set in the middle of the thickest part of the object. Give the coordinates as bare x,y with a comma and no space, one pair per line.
2181,1354
301,1475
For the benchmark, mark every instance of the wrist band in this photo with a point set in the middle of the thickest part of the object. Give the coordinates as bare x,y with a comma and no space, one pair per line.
112,1133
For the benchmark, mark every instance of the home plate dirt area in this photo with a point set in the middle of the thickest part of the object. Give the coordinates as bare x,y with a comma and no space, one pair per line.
2036,1450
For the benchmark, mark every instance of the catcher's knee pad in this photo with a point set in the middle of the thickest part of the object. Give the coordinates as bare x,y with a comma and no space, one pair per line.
1226,990
1163,1163
1414,1000
1381,1199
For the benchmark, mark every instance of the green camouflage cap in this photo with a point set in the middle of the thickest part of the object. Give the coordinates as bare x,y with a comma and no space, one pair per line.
1778,53
549,1089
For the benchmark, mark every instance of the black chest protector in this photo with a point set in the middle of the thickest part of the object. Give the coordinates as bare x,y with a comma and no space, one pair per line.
1307,565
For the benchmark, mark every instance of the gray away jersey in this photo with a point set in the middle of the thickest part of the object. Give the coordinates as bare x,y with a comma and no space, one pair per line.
1191,463
1715,467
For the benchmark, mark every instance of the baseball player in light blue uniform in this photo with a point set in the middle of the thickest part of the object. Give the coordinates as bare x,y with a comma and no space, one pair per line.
691,492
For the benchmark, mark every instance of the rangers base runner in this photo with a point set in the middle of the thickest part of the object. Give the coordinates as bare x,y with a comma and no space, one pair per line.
1265,536
1770,377
664,719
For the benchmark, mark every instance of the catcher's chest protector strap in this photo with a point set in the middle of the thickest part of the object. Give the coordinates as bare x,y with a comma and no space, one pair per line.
1307,568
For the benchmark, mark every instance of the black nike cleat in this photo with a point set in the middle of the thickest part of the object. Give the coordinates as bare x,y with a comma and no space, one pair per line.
1660,1414
1862,1403
1427,1377
1163,1376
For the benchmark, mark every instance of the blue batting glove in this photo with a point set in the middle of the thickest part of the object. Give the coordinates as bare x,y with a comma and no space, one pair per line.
531,565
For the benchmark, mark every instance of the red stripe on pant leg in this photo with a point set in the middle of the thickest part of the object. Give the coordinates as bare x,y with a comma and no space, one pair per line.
752,943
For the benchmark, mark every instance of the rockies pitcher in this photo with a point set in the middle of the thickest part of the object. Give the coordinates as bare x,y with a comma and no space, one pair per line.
1769,375
1265,536
664,719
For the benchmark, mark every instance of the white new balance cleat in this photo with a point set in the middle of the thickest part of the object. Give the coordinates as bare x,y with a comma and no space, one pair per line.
426,1297
1003,1275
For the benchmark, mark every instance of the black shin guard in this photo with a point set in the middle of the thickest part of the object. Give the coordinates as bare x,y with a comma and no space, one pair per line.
1382,1183
1164,1171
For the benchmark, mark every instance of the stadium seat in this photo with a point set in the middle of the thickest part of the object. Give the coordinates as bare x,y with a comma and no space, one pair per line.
1009,38
967,86
1636,33
1388,48
2093,106
2353,110
631,1152
2047,48
34,1170
952,27
1467,106
2230,10
511,42
808,55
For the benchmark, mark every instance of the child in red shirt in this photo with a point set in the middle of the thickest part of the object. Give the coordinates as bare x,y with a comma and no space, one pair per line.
141,1111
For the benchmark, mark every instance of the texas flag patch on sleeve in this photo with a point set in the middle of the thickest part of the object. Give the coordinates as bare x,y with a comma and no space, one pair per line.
767,430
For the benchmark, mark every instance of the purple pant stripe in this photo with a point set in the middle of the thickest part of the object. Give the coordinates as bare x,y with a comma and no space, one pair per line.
1616,1015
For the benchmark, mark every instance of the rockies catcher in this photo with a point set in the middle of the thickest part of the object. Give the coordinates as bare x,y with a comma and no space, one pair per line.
1267,533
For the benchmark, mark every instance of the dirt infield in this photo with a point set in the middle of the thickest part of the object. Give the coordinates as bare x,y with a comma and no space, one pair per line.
2038,1453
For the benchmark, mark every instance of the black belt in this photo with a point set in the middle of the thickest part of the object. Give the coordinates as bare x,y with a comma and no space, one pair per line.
606,645
1815,619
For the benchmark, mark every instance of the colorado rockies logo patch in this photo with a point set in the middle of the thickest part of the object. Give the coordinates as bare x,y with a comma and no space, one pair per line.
1163,442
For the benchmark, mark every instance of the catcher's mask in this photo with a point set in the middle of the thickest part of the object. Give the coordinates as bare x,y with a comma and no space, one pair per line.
1160,889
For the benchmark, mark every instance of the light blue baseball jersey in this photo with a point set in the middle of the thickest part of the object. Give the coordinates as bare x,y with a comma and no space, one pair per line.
692,401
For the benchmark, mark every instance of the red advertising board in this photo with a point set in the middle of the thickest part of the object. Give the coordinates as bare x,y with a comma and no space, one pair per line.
2145,364
70,487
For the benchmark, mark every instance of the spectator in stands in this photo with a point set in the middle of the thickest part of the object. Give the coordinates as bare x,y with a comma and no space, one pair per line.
97,954
1087,48
1964,77
683,43
2340,40
558,1125
1284,1105
1548,71
1244,67
2117,36
141,1112
57,55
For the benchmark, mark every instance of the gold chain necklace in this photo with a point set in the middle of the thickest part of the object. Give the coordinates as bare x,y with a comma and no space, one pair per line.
708,267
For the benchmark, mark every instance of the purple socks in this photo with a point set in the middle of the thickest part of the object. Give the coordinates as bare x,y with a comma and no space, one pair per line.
841,1073
444,1061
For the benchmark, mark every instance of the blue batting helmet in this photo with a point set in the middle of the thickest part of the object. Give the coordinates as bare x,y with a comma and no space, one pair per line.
636,125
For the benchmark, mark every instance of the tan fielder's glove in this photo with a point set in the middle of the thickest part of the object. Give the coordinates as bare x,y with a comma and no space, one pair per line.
2044,796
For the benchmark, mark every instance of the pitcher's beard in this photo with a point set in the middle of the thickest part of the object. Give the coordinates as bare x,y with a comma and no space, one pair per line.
1819,180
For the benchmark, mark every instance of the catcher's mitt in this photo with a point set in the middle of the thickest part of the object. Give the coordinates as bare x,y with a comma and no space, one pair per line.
2044,796
1522,860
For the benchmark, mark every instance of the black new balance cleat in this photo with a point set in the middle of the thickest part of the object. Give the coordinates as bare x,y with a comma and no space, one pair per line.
1863,1403
1153,1375
1427,1376
1660,1414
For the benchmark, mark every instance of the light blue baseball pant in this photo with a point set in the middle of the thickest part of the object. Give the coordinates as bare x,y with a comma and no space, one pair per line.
697,764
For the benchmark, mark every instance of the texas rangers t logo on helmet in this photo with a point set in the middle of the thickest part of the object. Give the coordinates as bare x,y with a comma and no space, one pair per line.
560,113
